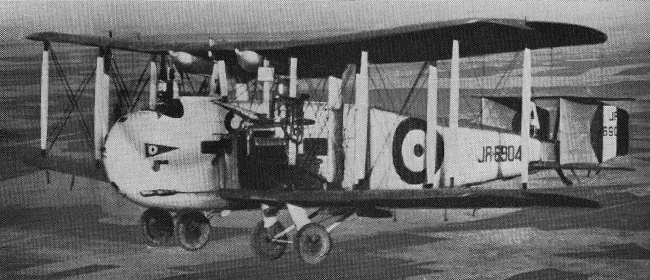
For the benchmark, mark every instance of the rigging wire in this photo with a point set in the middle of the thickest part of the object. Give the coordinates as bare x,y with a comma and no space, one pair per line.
414,86
142,81
508,71
73,98
402,110
383,83
124,96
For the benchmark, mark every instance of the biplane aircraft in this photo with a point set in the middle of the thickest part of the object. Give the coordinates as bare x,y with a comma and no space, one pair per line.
189,157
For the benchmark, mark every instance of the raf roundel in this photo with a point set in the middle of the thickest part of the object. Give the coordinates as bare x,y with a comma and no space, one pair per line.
409,150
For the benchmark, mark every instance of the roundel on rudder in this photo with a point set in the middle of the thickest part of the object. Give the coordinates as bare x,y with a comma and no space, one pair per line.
409,150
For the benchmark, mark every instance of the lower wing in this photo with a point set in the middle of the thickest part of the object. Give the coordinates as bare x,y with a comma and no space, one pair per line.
421,198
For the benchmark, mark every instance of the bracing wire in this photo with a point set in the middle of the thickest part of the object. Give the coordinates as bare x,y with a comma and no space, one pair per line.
403,109
501,79
139,90
73,98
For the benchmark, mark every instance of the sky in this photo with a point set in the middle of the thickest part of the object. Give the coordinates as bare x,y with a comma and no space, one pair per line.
624,20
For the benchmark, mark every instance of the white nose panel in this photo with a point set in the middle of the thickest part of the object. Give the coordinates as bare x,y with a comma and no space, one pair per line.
150,152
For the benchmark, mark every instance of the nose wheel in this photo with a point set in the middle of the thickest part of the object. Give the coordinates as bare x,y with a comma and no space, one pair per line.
193,230
157,226
264,242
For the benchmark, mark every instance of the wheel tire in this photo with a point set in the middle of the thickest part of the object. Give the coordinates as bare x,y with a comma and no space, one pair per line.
157,226
313,243
262,244
193,230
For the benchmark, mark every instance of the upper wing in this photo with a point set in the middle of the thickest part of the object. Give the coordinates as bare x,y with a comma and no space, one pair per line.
421,198
330,54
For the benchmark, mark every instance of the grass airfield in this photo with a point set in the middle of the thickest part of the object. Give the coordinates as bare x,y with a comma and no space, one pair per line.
58,226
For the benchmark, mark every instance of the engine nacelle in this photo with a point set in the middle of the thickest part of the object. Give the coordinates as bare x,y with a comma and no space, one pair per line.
190,64
187,63
249,60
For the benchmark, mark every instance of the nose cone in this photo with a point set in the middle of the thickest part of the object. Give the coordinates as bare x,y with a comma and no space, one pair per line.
124,164
156,161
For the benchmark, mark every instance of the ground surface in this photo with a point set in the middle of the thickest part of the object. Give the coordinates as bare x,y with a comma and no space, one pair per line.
611,242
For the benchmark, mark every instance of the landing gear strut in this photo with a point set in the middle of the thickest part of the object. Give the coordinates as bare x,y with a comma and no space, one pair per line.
312,241
157,226
193,230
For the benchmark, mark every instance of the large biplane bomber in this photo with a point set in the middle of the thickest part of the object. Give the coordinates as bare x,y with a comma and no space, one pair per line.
270,147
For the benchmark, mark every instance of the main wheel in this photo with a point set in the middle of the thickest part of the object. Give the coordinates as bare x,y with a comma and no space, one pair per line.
263,244
313,243
157,226
193,230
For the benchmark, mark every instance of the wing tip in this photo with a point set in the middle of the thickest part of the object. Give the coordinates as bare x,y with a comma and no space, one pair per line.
559,34
37,36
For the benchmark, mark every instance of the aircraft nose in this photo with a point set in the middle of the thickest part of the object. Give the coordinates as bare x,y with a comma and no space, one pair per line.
122,156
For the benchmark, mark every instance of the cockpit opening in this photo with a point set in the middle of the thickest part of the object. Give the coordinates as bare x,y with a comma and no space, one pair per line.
168,102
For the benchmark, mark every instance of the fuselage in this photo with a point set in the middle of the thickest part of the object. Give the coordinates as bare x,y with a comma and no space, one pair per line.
157,161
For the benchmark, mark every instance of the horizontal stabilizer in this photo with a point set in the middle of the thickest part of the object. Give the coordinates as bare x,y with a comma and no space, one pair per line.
447,198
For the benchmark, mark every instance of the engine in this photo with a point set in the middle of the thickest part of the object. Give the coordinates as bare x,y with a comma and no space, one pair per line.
187,63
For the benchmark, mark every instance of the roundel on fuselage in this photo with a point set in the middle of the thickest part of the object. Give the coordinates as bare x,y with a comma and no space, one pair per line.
409,150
